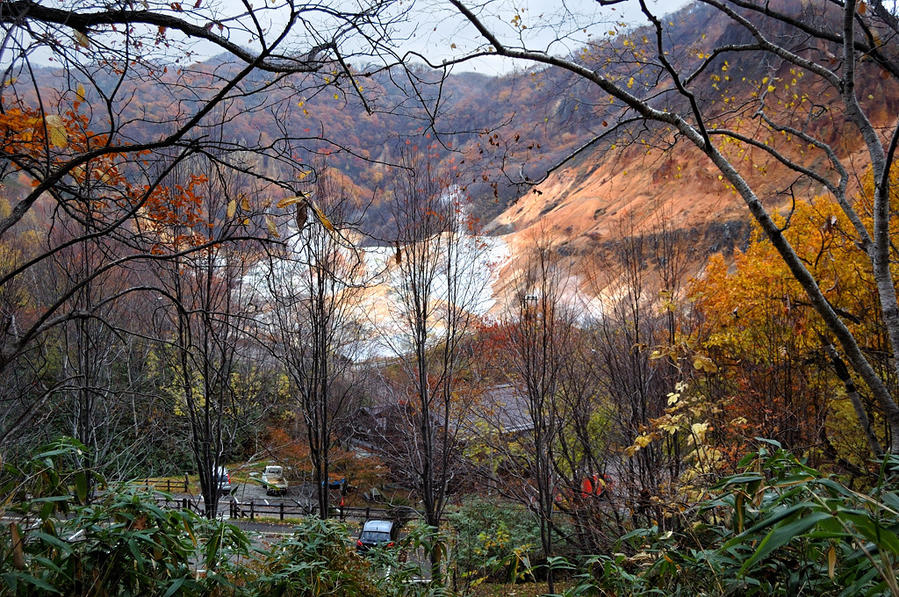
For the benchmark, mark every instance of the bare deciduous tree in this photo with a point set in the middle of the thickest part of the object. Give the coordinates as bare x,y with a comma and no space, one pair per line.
437,292
540,344
315,284
82,153
210,326
793,54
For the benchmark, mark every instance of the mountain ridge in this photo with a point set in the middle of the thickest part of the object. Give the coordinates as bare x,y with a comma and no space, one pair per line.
497,134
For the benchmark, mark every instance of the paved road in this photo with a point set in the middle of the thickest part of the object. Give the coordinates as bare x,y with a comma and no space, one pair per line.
296,494
244,493
298,500
266,528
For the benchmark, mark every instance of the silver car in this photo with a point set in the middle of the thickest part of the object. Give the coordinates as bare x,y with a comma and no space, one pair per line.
222,479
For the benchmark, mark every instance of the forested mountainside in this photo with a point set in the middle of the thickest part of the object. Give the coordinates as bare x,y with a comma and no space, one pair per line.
252,283
493,136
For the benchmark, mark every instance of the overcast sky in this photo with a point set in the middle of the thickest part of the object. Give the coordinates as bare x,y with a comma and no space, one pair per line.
434,29
557,27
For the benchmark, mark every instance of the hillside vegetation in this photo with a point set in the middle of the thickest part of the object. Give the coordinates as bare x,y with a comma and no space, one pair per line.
623,321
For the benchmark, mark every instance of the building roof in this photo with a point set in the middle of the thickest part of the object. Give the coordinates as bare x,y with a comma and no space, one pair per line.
502,408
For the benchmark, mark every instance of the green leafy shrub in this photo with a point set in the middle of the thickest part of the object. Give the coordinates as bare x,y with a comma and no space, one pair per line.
317,559
778,528
121,543
493,540
320,558
400,570
794,529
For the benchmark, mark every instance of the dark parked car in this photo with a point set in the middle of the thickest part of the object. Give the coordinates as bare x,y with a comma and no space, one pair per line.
376,533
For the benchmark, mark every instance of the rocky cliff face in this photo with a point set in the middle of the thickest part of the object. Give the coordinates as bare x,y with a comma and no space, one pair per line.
634,183
493,129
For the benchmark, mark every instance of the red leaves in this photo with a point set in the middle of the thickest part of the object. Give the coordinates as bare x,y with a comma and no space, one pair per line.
180,207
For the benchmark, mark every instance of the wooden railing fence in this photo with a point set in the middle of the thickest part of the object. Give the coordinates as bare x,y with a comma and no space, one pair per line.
168,485
283,510
254,509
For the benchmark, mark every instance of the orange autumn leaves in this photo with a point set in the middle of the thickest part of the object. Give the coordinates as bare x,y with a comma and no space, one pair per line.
765,337
26,131
176,215
40,143
742,300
